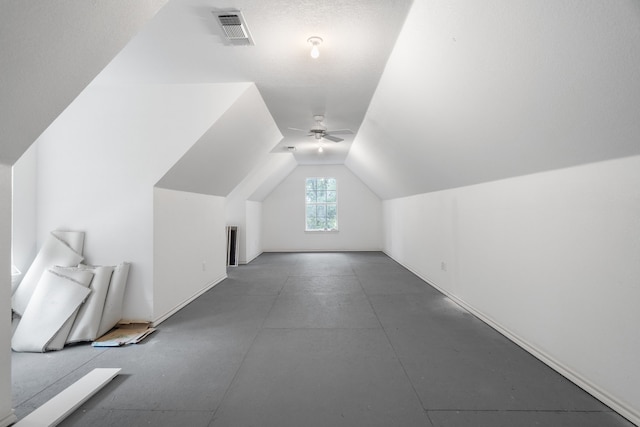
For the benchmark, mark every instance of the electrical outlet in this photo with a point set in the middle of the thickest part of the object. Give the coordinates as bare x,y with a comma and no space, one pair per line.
443,266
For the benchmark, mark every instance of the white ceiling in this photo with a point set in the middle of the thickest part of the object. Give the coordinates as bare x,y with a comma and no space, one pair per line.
49,52
228,151
476,91
183,44
473,91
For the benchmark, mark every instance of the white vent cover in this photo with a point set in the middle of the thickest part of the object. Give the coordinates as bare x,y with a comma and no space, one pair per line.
234,28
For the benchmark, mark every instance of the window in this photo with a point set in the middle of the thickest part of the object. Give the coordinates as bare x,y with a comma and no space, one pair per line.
321,204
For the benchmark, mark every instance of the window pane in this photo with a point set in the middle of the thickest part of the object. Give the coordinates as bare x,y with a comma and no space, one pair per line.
322,211
321,204
311,211
311,196
332,217
311,184
311,217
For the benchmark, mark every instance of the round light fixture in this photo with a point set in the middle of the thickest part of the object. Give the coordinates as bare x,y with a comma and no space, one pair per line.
314,42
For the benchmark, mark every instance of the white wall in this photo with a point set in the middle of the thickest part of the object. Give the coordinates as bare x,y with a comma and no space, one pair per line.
98,163
247,216
550,258
244,207
253,225
359,214
189,247
6,413
236,215
24,209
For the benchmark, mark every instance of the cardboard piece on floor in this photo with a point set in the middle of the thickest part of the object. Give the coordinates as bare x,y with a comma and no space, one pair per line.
124,334
68,400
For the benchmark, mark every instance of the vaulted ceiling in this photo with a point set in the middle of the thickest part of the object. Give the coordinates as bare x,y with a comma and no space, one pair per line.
476,91
49,52
438,93
185,44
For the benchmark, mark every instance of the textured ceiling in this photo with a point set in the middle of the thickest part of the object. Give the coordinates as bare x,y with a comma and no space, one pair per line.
183,45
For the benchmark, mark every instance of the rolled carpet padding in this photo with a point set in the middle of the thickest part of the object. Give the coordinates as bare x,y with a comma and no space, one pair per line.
112,312
73,239
54,251
87,322
15,278
55,299
82,277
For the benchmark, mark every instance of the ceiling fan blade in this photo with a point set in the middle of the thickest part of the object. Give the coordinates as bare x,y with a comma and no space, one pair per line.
332,138
299,130
340,132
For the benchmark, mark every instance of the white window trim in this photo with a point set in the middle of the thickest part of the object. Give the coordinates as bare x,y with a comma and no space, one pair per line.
326,230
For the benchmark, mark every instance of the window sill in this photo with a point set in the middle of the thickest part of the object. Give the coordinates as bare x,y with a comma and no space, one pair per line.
321,231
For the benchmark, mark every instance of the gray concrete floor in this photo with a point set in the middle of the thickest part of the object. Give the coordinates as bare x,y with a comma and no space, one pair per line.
315,339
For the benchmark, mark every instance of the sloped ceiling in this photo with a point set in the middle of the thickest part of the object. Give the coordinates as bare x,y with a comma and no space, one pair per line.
481,90
228,151
473,91
274,174
183,44
265,177
50,51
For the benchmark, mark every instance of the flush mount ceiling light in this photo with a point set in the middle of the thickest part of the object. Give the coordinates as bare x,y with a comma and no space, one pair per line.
314,42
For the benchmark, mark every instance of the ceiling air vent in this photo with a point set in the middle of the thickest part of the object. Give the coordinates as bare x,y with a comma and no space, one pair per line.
234,28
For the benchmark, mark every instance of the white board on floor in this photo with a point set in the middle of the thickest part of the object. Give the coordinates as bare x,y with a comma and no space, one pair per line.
68,400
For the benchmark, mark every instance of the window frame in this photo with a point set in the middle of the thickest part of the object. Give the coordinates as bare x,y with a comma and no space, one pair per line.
316,203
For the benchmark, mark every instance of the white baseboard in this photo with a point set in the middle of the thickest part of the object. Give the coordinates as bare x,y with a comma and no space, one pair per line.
252,258
9,419
177,308
617,404
319,250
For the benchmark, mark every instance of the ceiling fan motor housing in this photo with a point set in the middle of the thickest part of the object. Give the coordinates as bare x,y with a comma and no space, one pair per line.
317,132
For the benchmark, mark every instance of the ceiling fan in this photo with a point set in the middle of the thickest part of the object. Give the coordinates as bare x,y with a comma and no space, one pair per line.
319,131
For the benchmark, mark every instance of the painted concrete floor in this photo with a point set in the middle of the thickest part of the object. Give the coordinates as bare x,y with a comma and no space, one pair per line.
316,339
